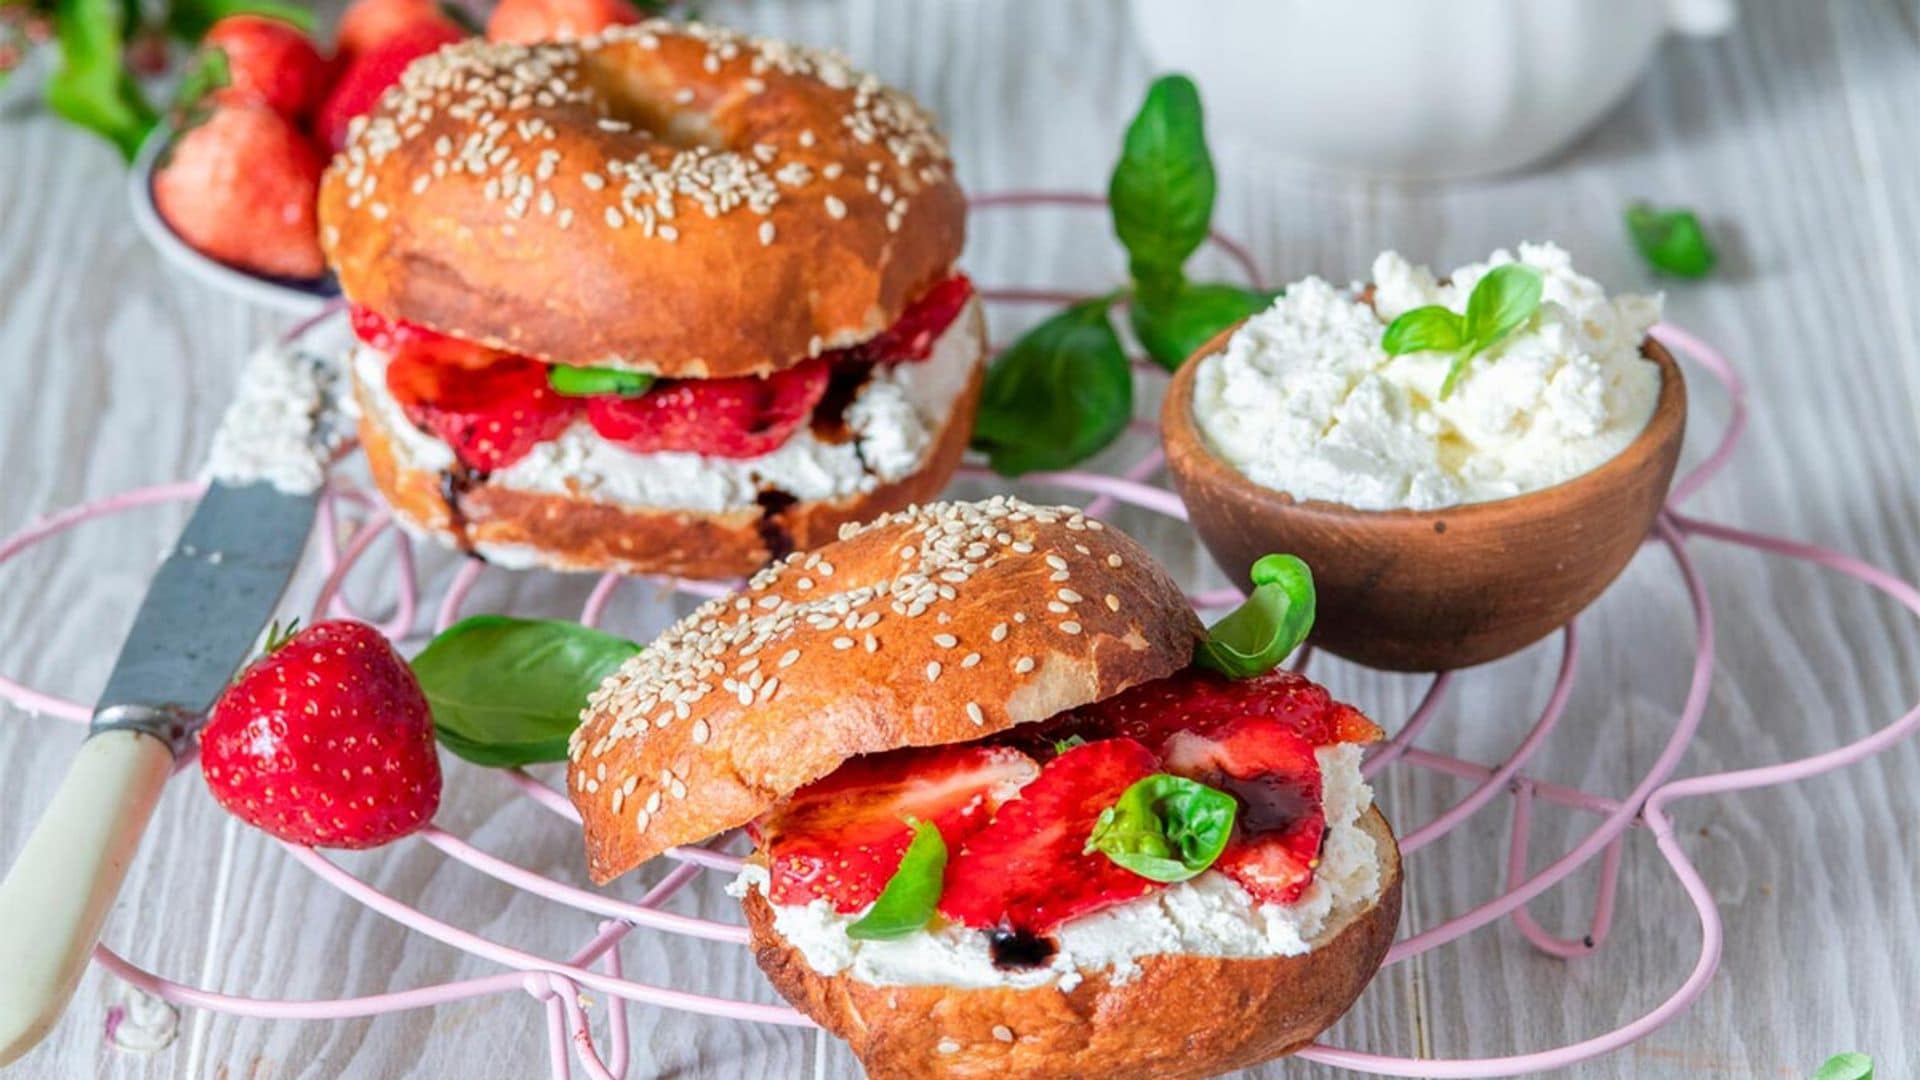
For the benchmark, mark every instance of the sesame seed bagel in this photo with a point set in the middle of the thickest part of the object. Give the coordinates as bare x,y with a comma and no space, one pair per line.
938,624
673,199
1178,1015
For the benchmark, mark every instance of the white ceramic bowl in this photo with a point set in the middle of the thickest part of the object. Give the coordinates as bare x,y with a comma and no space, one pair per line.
1415,89
290,295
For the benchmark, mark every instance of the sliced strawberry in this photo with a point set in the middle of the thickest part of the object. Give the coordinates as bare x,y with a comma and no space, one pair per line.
371,71
729,418
492,416
842,837
1029,869
1199,700
911,337
1269,767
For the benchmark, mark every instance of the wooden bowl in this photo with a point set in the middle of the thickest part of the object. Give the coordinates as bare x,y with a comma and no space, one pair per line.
1432,590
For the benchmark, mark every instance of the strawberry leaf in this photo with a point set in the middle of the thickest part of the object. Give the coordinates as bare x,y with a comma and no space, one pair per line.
92,87
911,893
508,692
1165,828
1253,638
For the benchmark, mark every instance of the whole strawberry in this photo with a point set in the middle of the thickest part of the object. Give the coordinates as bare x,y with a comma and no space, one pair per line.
532,21
327,740
240,186
367,23
369,71
270,62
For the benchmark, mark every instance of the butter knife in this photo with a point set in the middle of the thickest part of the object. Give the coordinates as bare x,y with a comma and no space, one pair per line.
201,617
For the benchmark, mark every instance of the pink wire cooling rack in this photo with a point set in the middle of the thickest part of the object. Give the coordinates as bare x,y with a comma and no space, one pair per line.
559,981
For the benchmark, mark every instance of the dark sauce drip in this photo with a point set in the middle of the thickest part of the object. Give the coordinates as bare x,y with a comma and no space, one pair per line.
454,484
773,530
1268,803
1014,950
829,421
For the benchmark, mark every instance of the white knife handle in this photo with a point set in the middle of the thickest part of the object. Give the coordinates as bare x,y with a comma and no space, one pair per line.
64,881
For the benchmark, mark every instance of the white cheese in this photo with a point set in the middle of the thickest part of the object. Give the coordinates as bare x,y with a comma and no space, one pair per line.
1304,400
1210,915
894,419
287,419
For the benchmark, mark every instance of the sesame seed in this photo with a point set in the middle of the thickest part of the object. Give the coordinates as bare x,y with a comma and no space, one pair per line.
1113,602
1070,627
835,208
1069,596
1056,562
945,641
1057,607
766,233
701,732
974,714
843,643
793,655
1113,561
999,632
614,220
971,659
933,670
593,181
1003,1033
1023,665
873,644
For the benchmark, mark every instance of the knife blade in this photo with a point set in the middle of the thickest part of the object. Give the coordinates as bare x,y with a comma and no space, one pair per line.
200,618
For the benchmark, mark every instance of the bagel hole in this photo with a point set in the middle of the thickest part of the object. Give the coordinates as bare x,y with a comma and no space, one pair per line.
646,104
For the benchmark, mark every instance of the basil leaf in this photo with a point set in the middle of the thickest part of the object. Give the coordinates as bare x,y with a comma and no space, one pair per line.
1253,638
1425,329
1852,1066
1163,185
908,900
1056,396
509,691
1672,241
190,20
1165,828
1175,327
1500,302
589,381
92,87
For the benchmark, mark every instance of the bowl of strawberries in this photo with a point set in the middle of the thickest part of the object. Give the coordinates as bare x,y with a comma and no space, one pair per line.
226,188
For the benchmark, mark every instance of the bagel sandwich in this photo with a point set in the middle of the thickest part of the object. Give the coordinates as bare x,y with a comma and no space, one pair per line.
1004,824
666,299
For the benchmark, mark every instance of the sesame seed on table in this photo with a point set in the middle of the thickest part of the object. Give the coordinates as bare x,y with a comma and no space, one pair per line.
1791,136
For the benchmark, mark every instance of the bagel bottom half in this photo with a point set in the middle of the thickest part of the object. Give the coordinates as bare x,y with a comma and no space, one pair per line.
1177,1016
572,532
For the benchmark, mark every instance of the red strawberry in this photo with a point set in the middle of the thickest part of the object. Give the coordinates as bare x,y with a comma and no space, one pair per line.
368,23
911,337
1269,767
270,62
491,415
532,21
841,838
326,740
1028,870
240,187
370,72
731,418
394,335
1199,700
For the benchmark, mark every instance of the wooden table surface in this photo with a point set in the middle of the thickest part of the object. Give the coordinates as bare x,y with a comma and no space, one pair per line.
1794,135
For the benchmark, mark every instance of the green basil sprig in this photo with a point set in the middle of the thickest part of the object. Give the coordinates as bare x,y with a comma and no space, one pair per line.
1672,241
1851,1066
507,691
1253,638
1165,828
1063,392
908,900
1501,302
92,87
591,381
1057,395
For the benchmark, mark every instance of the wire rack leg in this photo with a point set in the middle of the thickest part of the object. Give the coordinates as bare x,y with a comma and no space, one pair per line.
1602,920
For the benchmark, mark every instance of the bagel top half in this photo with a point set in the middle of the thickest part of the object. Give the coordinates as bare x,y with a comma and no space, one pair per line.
939,624
676,199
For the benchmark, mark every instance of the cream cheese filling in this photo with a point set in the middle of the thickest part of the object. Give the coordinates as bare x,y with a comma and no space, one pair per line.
1211,915
895,419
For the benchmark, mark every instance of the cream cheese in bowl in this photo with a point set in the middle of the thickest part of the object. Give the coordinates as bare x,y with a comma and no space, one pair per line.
1305,400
